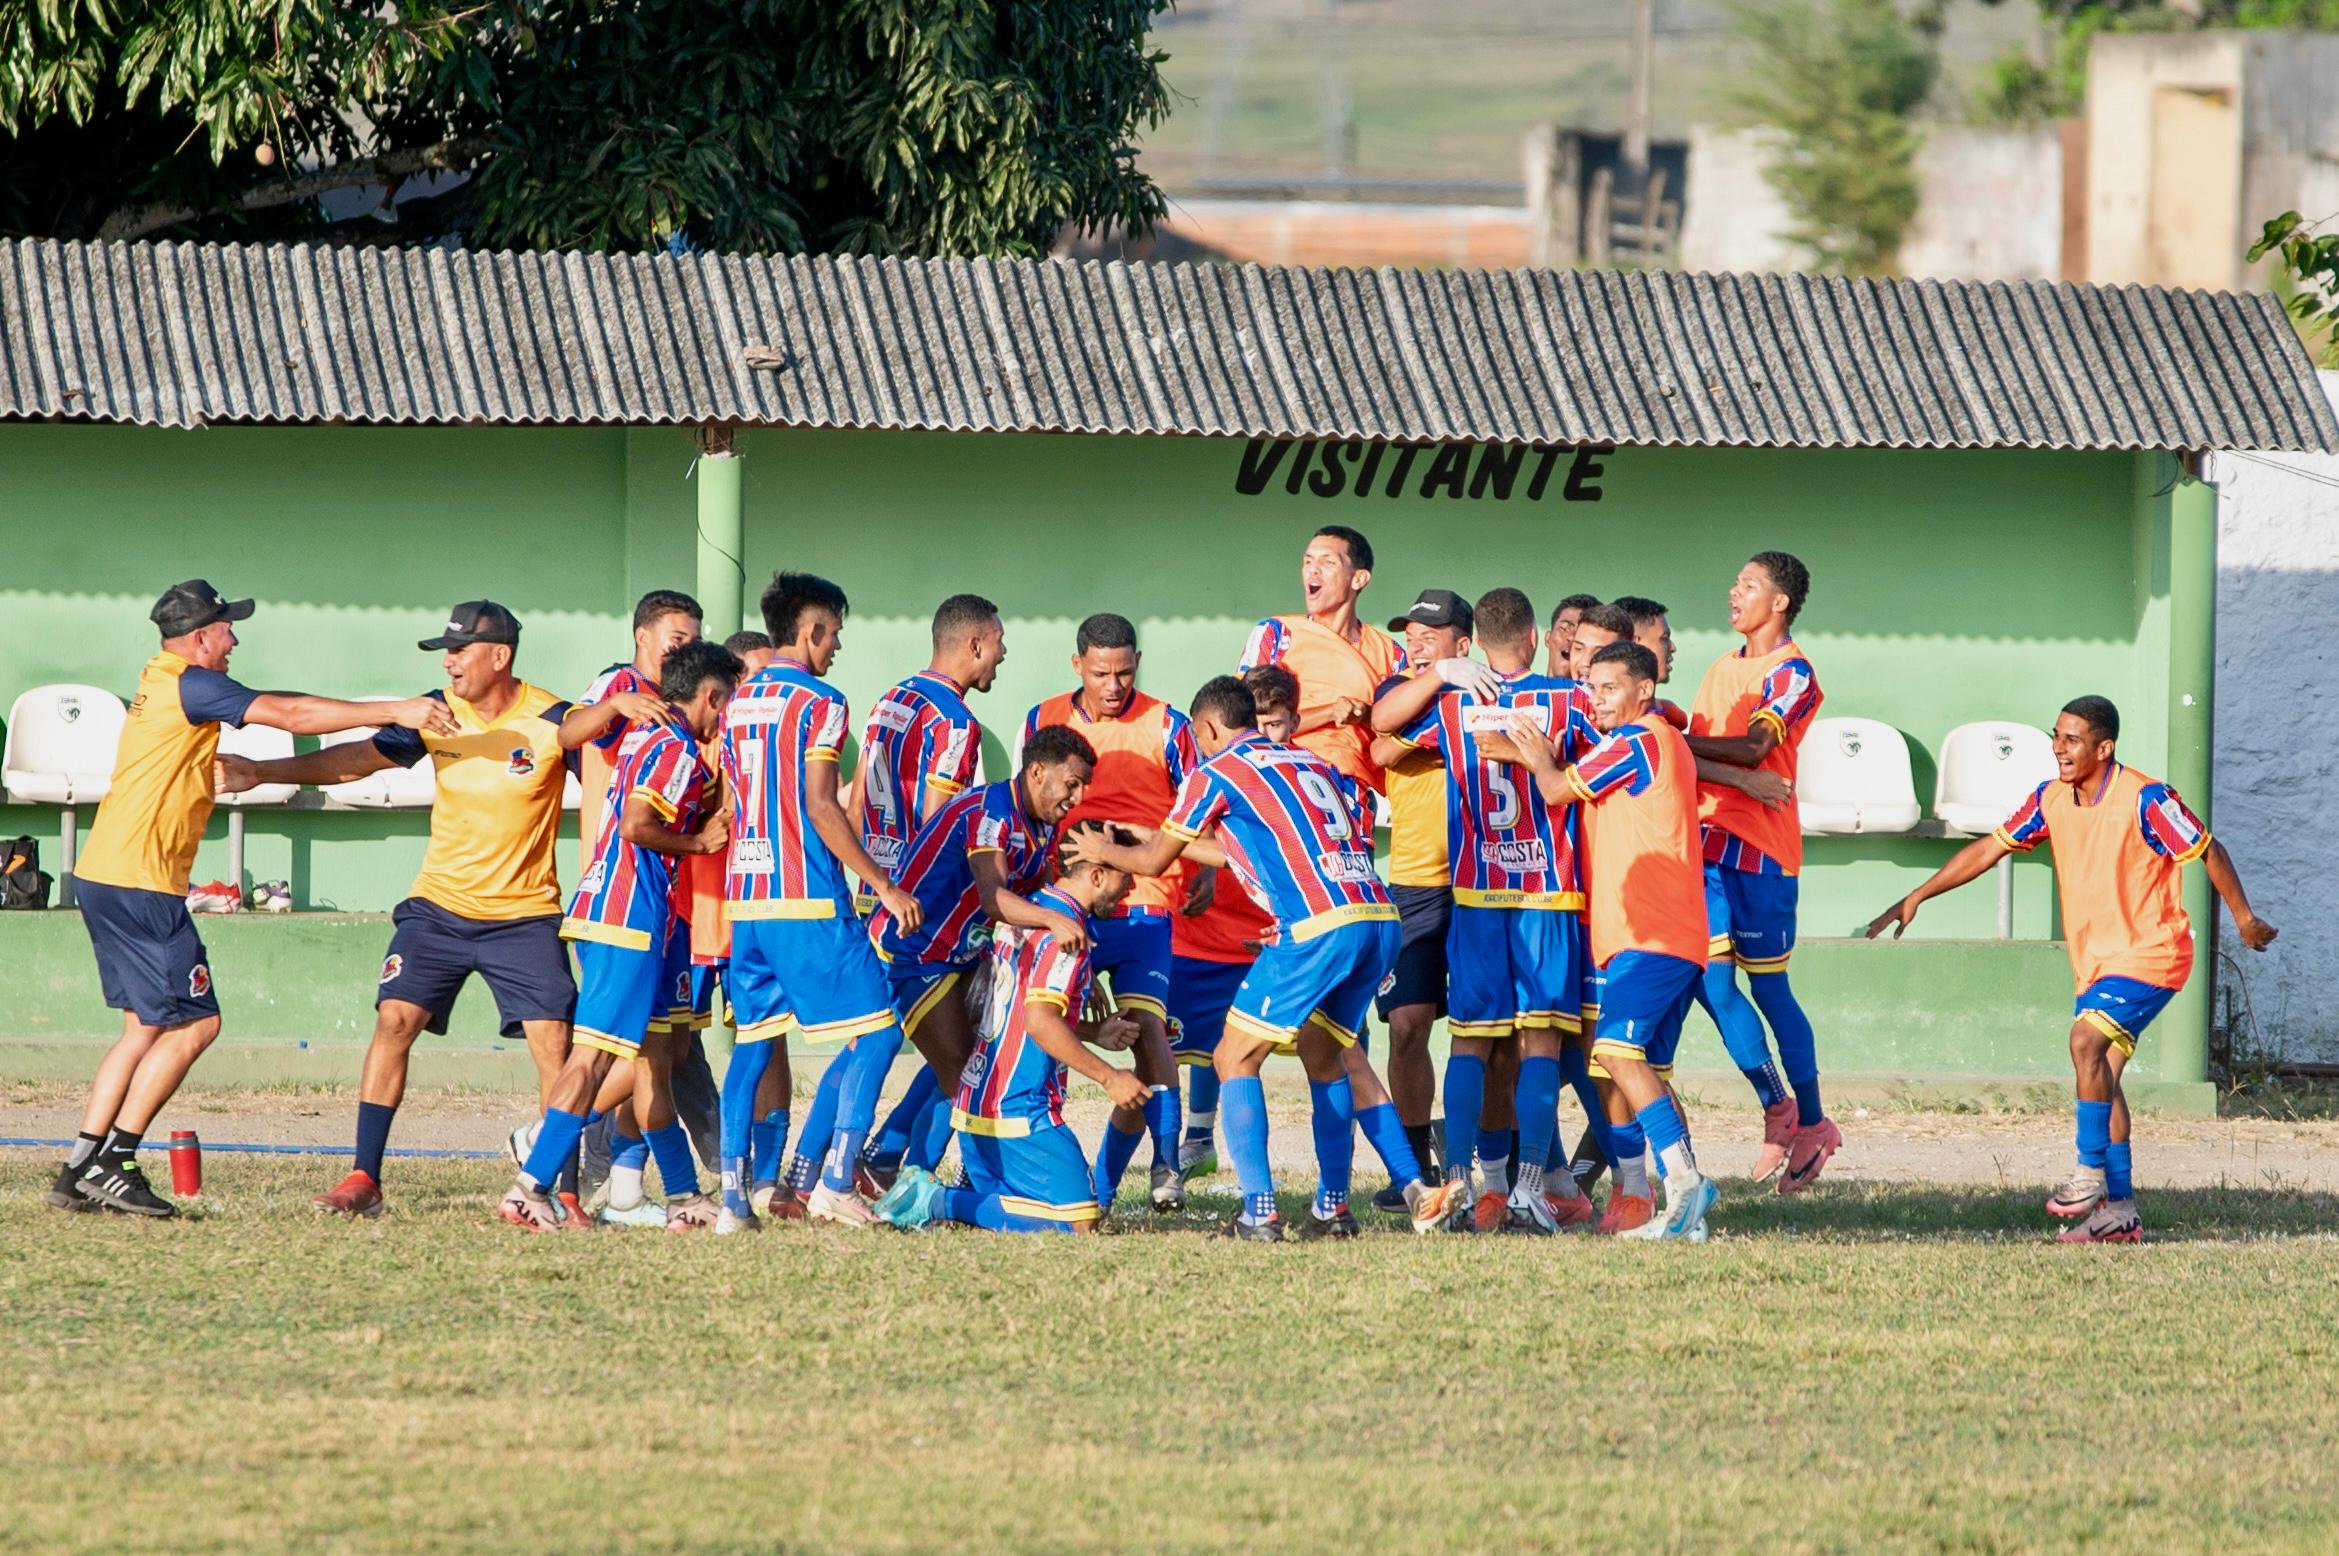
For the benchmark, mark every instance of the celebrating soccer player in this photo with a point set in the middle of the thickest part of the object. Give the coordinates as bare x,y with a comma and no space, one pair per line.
1559,642
621,697
1340,661
2122,841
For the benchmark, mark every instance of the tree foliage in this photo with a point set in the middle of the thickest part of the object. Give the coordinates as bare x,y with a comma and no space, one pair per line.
1840,82
2306,275
2022,90
897,126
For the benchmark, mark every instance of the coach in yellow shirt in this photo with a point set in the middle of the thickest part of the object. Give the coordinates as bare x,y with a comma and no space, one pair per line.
488,898
132,879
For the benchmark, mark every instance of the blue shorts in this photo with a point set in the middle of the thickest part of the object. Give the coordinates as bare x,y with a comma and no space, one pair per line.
696,1011
624,993
818,974
1593,981
1044,1175
150,961
1419,978
1643,1000
1329,980
917,987
1134,951
1201,993
1750,917
434,952
2121,1008
1513,967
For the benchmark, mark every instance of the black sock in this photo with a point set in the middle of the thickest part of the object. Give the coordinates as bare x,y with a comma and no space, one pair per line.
85,1146
1423,1139
121,1145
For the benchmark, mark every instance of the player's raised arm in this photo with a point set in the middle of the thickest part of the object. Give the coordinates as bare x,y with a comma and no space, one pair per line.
585,723
1969,863
303,714
1004,905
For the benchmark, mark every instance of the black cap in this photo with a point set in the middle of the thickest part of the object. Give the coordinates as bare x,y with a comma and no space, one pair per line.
476,621
193,605
1437,608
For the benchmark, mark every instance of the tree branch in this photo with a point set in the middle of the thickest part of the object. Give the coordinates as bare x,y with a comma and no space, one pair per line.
136,221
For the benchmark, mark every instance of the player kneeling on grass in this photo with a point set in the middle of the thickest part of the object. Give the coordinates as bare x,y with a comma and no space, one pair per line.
1025,1169
632,942
2122,841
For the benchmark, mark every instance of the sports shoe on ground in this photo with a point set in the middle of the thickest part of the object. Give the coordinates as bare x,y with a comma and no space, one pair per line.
1241,1231
2078,1196
1437,1205
1813,1145
870,1181
1567,1213
272,897
1312,1228
571,1212
528,1211
1778,1133
827,1204
62,1194
119,1184
2113,1221
1684,1220
1391,1200
520,1142
1169,1190
774,1203
1529,1216
731,1221
356,1195
692,1213
1625,1212
648,1213
1490,1213
912,1201
215,897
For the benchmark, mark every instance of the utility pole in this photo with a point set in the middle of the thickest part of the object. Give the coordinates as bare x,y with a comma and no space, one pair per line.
1636,110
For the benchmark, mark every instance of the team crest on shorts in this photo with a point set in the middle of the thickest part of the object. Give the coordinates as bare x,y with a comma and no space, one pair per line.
1389,984
522,763
682,988
199,980
392,966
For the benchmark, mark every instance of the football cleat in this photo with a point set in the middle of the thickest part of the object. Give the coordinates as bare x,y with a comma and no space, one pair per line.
2079,1195
1169,1190
119,1184
62,1194
1241,1231
647,1213
913,1201
1684,1220
871,1180
528,1210
775,1202
1528,1216
838,1206
1625,1213
2113,1221
1197,1158
1437,1205
1313,1228
730,1221
356,1195
1812,1146
1567,1213
1778,1133
1490,1213
520,1142
572,1213
691,1213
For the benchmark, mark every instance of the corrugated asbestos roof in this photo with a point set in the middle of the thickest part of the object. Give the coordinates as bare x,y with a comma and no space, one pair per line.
178,334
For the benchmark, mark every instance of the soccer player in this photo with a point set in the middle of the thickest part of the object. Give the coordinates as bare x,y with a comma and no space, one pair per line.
1652,629
2122,841
619,698
487,901
1144,749
1025,1171
799,953
1437,627
632,940
1560,641
1290,828
1751,712
1638,793
132,877
1339,660
1514,948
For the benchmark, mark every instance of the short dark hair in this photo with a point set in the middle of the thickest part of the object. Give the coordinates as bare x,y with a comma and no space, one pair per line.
1360,550
1608,618
790,596
961,615
1573,602
1639,607
1226,701
691,665
1638,662
1272,686
1788,572
664,602
744,643
1105,630
1504,615
2097,713
1088,825
1054,744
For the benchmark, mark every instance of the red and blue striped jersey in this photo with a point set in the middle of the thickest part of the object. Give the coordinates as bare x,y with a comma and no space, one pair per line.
617,678
1505,848
628,895
1297,833
1011,1084
938,869
920,747
783,719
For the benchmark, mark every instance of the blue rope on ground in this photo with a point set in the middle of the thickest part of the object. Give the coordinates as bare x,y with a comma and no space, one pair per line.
26,1143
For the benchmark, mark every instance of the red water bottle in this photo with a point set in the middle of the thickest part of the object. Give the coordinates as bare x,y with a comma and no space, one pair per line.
186,1163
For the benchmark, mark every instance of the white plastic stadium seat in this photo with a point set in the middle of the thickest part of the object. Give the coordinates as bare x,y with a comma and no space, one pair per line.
259,743
572,794
1987,769
61,742
372,792
1853,775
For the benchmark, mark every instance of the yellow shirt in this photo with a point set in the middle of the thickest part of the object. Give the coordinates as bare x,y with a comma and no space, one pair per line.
497,817
152,818
1417,813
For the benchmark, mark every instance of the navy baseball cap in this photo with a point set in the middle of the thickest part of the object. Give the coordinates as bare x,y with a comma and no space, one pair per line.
1437,608
192,606
476,621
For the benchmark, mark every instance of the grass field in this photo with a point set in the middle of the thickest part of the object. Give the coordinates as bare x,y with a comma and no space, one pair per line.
1869,1368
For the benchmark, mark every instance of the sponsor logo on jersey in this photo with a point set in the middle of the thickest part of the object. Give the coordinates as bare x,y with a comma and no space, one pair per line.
595,874
1519,856
751,856
1503,719
1346,867
884,851
895,716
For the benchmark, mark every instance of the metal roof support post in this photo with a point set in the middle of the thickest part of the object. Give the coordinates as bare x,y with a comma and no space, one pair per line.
2192,673
722,531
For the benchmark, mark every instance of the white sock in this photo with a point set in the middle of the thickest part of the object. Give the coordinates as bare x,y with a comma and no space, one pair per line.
1632,1177
1202,1122
625,1187
1496,1170
1679,1165
1530,1179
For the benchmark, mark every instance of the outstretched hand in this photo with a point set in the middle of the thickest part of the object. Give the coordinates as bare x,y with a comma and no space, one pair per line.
1900,916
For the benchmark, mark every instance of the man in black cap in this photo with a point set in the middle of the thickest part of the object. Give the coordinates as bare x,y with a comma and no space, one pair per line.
488,898
132,879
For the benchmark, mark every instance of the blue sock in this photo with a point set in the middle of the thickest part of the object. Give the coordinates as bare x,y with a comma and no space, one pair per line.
556,1142
1494,1145
373,1137
1333,1120
872,1055
1575,1072
1660,1121
1741,1031
894,1137
672,1148
740,1079
1465,1102
1202,1099
1112,1161
766,1139
932,1136
1798,1048
2095,1131
628,1150
1538,1104
1163,1124
1242,1103
1384,1131
820,1124
2118,1171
